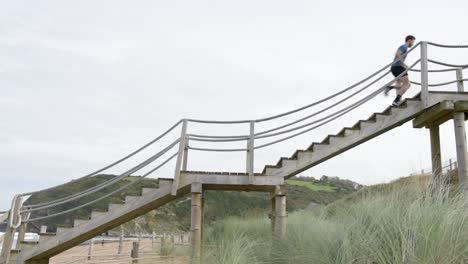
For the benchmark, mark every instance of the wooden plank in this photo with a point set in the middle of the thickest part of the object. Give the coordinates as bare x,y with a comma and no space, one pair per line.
461,106
434,115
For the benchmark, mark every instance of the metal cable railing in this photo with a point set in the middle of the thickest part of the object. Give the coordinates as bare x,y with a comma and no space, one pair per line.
437,70
464,66
106,183
104,196
303,107
264,134
118,161
440,84
327,119
447,46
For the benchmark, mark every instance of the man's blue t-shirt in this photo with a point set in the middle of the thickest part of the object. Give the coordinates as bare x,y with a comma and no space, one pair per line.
403,49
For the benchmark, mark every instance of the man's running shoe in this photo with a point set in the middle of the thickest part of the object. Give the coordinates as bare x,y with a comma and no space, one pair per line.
396,103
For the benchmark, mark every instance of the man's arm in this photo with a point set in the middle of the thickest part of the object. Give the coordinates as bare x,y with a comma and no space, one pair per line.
399,56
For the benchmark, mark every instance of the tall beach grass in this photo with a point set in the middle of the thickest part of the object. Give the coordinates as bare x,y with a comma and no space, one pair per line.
404,223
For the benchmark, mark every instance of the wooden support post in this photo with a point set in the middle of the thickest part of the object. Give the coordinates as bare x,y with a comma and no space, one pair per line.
460,140
121,238
435,153
90,248
22,231
460,137
21,235
250,152
135,251
272,212
196,227
180,156
12,225
424,75
202,235
280,212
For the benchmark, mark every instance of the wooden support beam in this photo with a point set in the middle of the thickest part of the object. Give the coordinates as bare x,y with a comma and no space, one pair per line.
37,261
440,113
435,115
435,153
280,212
196,227
121,238
460,140
272,213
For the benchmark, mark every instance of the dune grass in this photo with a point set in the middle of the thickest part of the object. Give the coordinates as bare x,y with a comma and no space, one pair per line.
409,224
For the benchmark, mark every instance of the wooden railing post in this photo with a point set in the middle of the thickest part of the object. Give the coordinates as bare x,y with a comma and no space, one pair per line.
250,152
22,231
180,156
185,159
460,85
14,221
424,75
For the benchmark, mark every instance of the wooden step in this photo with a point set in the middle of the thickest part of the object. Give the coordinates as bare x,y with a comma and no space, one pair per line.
43,237
63,229
79,222
113,206
305,155
130,198
97,214
165,182
148,190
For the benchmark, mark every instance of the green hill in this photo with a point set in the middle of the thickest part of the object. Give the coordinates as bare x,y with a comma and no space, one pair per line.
176,216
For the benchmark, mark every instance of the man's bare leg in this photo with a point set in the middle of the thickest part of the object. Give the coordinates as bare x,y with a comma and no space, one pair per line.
397,86
405,85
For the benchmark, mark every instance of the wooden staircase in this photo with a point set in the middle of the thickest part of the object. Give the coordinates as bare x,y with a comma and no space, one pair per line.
362,131
51,244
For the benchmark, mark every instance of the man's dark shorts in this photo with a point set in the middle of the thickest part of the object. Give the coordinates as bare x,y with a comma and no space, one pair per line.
397,70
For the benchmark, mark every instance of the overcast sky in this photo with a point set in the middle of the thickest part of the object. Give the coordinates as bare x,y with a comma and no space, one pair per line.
83,83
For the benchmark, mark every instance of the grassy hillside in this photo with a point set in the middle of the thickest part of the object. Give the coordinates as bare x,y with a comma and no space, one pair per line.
176,215
312,186
409,221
